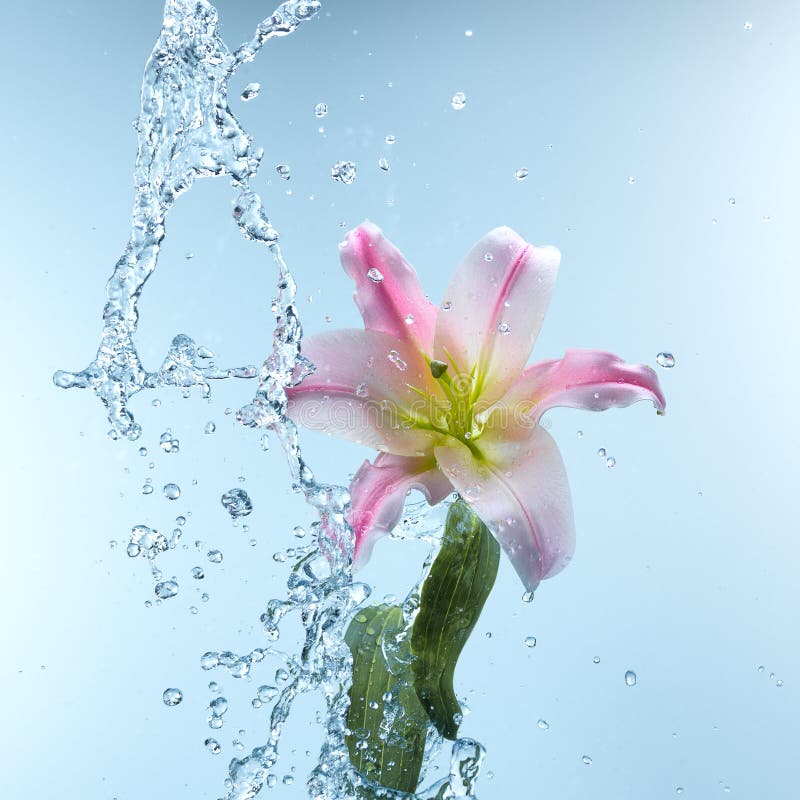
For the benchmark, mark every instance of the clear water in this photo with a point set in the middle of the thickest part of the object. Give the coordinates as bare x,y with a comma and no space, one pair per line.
143,654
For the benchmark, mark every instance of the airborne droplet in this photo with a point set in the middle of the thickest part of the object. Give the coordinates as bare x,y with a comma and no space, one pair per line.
172,697
251,91
458,101
666,360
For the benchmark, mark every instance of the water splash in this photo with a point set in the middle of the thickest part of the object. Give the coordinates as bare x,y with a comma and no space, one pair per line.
186,130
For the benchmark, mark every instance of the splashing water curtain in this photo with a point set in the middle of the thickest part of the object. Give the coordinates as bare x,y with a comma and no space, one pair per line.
187,130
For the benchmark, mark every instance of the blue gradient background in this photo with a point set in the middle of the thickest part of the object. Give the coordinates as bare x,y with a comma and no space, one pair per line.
687,560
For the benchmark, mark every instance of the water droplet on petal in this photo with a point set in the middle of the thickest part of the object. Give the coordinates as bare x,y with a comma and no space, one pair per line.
666,360
172,697
488,257
409,319
504,328
375,275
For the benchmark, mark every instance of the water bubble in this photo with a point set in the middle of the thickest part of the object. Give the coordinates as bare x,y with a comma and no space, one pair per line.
210,428
468,33
631,179
383,163
458,101
580,434
504,328
344,172
267,693
218,706
172,491
601,452
748,26
320,110
586,760
168,443
197,573
731,201
172,697
521,173
596,660
679,790
166,589
630,678
147,489
212,745
390,139
666,360
611,461
543,725
527,597
237,503
251,91
488,257
180,520
214,556
529,641
142,451
288,780
284,171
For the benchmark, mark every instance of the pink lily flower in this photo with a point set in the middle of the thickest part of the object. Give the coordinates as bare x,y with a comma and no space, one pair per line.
445,396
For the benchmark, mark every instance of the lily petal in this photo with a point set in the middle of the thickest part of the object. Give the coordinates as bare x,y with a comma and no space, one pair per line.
494,308
378,493
388,292
520,490
362,390
588,379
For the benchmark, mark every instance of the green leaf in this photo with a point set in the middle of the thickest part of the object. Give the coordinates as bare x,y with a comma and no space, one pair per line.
453,596
387,723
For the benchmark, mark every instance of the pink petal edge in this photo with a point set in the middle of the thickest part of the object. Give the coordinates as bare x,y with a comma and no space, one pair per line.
388,292
378,493
493,309
589,379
